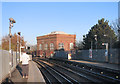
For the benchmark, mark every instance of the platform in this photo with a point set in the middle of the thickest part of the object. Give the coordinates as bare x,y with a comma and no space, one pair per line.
99,64
34,75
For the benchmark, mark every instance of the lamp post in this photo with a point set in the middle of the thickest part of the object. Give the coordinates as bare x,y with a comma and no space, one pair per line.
90,51
91,45
96,41
10,35
17,59
107,45
19,33
106,51
18,44
109,41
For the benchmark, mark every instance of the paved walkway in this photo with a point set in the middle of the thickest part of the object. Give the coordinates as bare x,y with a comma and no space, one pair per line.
105,65
34,75
17,75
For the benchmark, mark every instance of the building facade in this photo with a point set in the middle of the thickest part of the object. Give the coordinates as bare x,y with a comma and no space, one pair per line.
54,41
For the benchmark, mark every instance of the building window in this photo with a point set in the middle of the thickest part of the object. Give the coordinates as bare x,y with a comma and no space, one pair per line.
71,45
51,46
46,46
40,46
61,46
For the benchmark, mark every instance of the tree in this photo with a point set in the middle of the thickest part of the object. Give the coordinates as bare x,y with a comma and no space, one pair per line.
104,34
115,26
0,47
79,45
34,48
5,42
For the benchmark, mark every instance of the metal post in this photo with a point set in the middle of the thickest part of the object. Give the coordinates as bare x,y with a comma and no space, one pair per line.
96,41
96,44
17,48
10,35
90,51
110,53
107,52
110,42
20,49
106,46
107,58
91,45
10,49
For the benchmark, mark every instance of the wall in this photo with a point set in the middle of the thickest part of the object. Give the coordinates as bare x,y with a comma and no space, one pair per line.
4,65
98,56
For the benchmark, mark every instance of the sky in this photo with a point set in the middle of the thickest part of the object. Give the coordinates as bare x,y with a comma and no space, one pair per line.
40,18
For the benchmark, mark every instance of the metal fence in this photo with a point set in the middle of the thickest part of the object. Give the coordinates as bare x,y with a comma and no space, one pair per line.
113,55
61,54
99,55
4,63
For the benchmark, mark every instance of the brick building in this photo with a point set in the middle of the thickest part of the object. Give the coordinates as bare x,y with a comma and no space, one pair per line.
54,41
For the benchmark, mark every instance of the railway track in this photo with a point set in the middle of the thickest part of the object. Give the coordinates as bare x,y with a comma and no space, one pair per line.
105,75
53,76
67,73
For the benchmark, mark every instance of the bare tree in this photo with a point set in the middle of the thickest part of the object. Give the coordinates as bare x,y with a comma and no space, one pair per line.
79,44
34,47
115,25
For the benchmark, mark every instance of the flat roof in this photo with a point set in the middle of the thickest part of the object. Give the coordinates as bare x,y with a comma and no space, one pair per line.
57,32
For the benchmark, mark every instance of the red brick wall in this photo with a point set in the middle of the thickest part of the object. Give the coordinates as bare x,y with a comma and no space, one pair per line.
56,39
66,39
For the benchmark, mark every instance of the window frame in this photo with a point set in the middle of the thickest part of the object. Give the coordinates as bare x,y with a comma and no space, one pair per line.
71,46
51,46
46,46
61,45
40,46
